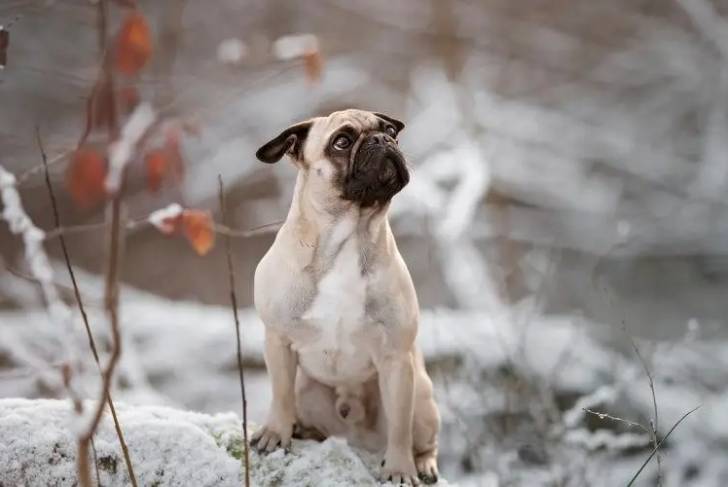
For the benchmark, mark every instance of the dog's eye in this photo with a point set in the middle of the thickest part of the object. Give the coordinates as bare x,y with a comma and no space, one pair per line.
342,142
391,131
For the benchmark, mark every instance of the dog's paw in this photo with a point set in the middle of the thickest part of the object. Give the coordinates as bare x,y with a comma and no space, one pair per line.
399,471
426,464
272,436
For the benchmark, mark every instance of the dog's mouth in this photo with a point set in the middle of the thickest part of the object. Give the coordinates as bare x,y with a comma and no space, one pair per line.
377,172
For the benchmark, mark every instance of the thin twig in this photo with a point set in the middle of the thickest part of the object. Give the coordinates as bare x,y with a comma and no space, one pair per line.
96,462
653,423
234,304
136,223
59,231
57,223
654,450
251,232
22,178
616,418
84,316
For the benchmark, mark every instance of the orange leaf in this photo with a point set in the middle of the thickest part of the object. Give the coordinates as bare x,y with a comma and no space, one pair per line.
162,161
85,177
171,144
199,230
313,63
133,44
156,162
4,41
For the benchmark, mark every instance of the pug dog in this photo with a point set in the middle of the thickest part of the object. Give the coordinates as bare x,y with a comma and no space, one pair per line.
337,301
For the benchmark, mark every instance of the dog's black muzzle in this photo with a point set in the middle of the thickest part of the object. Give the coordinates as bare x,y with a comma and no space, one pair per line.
377,171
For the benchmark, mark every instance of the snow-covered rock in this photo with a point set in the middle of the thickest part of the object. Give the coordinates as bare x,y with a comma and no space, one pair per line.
168,447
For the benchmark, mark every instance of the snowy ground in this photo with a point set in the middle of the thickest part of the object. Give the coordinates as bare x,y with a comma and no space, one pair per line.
511,387
168,447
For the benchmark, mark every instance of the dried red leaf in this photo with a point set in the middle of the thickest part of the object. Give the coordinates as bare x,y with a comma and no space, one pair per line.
164,161
86,176
172,145
133,46
4,43
313,63
199,230
156,162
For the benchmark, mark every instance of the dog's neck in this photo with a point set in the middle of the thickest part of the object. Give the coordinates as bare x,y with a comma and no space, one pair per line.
318,218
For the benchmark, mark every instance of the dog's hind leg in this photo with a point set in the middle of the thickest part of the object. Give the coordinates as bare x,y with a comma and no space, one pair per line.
315,410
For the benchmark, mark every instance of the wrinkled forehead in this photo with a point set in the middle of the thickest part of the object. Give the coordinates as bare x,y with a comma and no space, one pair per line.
359,120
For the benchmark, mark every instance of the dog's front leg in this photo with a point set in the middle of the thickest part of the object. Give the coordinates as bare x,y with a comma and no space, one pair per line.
281,362
396,384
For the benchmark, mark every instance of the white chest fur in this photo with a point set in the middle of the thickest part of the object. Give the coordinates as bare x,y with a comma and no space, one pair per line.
338,315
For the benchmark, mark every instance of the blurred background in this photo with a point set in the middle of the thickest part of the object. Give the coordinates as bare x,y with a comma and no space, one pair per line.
565,225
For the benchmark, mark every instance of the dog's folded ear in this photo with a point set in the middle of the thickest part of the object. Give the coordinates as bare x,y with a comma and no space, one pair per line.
290,141
397,124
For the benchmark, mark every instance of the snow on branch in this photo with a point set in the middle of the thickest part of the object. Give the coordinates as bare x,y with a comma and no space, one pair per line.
21,225
121,150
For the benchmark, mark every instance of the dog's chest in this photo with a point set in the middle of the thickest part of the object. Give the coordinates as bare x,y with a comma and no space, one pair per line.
338,316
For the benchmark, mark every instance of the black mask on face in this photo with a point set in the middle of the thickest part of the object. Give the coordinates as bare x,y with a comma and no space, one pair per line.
377,171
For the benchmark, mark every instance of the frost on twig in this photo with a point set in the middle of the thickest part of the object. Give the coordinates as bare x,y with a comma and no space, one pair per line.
121,150
604,394
163,219
21,225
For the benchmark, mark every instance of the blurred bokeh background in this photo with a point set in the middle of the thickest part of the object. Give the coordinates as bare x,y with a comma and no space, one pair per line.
567,205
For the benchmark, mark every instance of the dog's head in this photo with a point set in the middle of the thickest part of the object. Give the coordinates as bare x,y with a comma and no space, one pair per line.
351,154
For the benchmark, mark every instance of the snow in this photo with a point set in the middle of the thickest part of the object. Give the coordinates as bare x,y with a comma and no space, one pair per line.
231,51
485,365
121,150
163,219
168,447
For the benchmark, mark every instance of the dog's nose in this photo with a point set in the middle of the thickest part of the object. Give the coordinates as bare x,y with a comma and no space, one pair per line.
378,139
344,410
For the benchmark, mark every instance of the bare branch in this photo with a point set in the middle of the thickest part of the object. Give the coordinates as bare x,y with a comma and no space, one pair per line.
134,224
234,304
23,177
251,232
